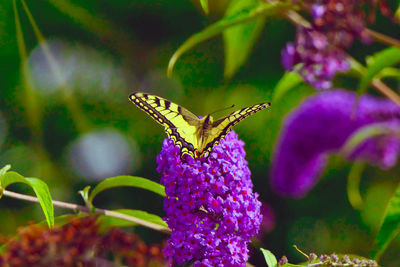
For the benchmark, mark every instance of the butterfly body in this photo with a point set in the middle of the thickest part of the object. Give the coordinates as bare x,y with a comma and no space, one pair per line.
194,136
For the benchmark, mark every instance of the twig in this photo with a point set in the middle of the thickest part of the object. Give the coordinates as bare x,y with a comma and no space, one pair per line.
297,19
386,90
384,38
84,209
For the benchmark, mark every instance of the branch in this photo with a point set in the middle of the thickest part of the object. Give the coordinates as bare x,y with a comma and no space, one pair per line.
383,38
386,90
85,209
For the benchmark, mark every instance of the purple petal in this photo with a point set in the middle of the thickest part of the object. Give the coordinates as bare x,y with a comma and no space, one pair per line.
210,205
381,150
320,126
289,57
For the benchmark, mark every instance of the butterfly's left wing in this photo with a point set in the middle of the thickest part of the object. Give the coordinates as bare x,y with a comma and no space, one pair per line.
221,127
180,124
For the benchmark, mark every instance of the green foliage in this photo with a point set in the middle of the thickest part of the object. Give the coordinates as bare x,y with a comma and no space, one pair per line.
389,73
353,185
126,180
363,134
288,81
85,195
39,187
242,16
397,13
390,227
269,258
240,39
376,63
204,5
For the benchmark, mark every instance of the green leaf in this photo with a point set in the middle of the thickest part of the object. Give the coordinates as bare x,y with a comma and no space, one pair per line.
397,13
126,180
204,6
43,194
239,39
39,187
270,258
287,82
353,185
390,227
108,221
390,73
85,195
363,134
4,169
378,62
245,15
12,178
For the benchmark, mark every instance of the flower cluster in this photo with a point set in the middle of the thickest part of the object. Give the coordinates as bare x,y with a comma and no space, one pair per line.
210,205
78,243
335,261
321,125
321,48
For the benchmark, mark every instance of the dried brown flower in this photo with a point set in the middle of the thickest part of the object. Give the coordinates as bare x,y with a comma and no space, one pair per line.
78,243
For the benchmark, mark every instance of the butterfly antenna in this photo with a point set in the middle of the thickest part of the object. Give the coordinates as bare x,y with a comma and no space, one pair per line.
222,109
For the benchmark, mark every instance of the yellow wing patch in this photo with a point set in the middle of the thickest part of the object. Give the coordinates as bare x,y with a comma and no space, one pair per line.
222,127
179,123
185,129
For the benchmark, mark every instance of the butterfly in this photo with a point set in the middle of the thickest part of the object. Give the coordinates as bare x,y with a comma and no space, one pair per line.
193,135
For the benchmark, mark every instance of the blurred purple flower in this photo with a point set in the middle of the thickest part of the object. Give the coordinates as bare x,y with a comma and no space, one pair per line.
210,205
321,48
321,125
268,220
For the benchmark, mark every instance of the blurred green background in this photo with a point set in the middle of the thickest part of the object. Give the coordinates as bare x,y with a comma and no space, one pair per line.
70,123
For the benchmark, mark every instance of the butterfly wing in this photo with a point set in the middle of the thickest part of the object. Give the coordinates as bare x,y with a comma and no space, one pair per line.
221,127
180,124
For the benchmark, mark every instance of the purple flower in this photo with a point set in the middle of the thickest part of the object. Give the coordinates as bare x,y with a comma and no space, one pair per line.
268,220
210,205
321,48
320,60
321,125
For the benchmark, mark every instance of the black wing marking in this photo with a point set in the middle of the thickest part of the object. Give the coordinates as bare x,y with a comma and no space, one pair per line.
222,126
165,112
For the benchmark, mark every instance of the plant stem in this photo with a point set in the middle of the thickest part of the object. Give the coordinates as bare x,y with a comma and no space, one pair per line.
30,101
386,90
383,38
85,209
297,19
71,103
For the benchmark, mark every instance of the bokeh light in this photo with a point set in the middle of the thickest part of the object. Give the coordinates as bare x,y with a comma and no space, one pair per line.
103,153
76,66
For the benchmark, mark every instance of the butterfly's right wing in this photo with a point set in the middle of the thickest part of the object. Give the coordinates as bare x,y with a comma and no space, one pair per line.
222,126
180,124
